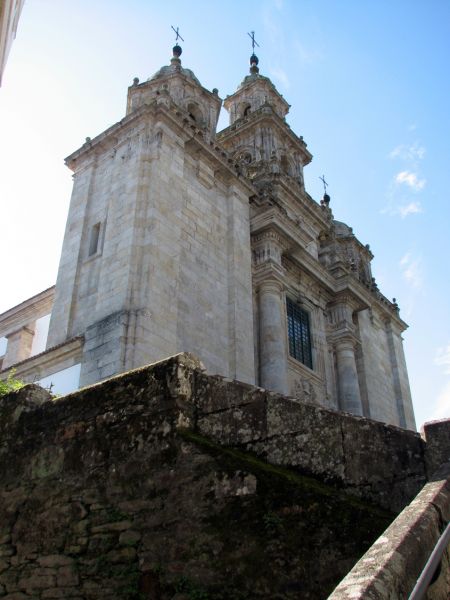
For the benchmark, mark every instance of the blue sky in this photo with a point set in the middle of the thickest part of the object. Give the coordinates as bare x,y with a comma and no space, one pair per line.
369,90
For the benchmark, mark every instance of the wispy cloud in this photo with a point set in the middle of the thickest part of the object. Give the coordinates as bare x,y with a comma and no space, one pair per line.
411,268
442,359
409,209
280,75
278,4
413,152
410,179
441,407
306,55
407,180
404,210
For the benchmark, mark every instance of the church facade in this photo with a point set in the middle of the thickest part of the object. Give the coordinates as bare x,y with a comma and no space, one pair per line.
180,238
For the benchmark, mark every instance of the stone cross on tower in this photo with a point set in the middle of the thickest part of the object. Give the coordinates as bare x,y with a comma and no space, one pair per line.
177,34
253,58
254,42
325,184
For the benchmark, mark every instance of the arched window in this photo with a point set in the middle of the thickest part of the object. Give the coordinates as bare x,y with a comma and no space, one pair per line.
244,109
286,165
195,113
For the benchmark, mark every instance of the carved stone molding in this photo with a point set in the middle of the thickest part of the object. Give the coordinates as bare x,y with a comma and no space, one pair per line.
267,246
304,390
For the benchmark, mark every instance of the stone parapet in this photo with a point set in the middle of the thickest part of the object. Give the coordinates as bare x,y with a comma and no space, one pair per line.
380,463
394,563
437,437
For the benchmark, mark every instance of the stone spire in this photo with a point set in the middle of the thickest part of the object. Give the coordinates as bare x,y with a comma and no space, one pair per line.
177,50
254,60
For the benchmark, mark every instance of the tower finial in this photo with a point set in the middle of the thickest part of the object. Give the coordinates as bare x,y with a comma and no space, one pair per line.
253,58
177,50
326,198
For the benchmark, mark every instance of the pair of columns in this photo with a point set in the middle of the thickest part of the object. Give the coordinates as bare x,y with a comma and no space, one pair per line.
273,351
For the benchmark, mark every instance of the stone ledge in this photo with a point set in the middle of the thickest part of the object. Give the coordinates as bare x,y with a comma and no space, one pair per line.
393,564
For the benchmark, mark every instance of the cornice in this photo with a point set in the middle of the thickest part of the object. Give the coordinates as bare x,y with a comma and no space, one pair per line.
368,297
55,355
193,137
26,312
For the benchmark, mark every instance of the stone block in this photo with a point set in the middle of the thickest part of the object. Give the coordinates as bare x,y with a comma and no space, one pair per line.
67,576
437,437
54,560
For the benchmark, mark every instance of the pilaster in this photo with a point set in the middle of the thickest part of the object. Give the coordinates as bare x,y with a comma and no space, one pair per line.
19,345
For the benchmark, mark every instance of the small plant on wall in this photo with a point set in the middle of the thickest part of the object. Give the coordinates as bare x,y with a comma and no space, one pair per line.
11,384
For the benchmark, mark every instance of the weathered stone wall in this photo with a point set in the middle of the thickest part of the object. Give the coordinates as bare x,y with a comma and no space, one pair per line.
121,490
378,462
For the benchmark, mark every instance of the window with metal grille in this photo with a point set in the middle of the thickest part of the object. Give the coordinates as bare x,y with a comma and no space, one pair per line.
299,333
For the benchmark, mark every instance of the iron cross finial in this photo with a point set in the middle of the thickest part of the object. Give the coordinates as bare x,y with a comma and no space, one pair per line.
177,34
325,184
254,42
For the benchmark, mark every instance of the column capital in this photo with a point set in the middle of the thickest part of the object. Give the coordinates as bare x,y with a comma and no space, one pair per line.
268,247
347,298
269,272
343,338
271,285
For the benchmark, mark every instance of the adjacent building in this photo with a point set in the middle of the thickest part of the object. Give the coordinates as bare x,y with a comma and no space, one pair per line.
9,18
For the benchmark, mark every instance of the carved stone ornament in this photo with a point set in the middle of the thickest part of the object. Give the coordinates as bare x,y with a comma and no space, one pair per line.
304,390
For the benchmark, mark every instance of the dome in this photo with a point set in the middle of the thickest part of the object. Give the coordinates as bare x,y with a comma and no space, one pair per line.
342,229
168,69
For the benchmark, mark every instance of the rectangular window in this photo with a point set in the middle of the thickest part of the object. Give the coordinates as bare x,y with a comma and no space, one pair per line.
299,333
95,236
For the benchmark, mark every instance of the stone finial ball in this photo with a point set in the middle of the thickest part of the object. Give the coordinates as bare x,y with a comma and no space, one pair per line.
254,60
136,80
177,50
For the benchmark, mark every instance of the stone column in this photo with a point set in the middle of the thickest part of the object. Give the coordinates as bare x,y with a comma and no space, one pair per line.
19,345
348,385
272,336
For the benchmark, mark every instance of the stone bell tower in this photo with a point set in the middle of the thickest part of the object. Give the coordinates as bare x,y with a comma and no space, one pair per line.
156,256
323,331
268,152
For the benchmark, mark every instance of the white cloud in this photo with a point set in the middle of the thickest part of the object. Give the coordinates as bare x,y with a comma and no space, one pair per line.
411,180
412,270
409,209
414,152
